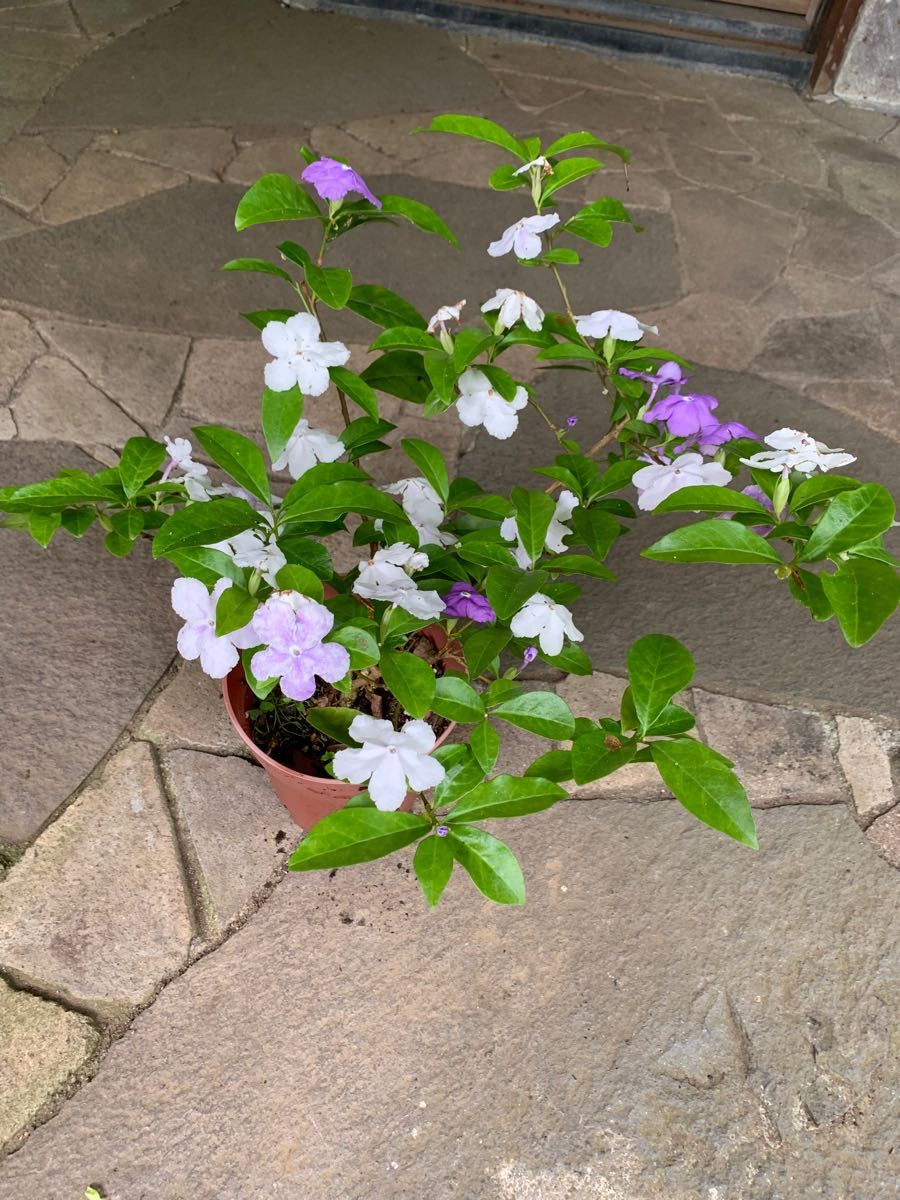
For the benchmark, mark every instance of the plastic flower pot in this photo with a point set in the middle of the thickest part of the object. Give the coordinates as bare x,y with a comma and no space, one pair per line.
308,798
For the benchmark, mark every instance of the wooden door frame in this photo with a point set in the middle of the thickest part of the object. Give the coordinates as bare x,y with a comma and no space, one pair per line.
828,41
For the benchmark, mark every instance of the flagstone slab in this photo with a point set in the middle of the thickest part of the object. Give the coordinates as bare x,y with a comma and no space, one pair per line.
28,171
840,239
117,16
828,347
99,181
55,402
101,928
86,638
866,754
650,1024
884,834
19,346
189,713
202,152
56,16
27,79
12,224
42,1048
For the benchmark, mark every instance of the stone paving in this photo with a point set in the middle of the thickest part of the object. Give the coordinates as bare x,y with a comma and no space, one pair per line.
724,1033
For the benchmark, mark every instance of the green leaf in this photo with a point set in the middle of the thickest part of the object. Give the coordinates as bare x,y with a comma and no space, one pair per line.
611,210
571,659
295,578
356,835
534,512
399,373
508,588
818,489
204,524
481,647
658,668
256,264
863,594
578,141
483,548
561,254
141,458
505,179
275,197
430,462
543,713
332,285
596,230
261,318
234,610
484,742
43,525
506,796
334,500
579,564
707,498
463,773
383,307
206,564
433,865
598,530
280,413
477,128
708,789
238,456
418,214
555,765
672,721
77,521
405,337
363,648
410,679
356,388
58,493
567,350
129,523
457,700
296,254
850,518
333,722
713,541
493,867
807,589
317,477
567,172
595,755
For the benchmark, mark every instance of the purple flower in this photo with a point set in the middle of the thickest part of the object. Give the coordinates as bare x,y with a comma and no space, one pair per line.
292,627
711,437
756,493
684,413
463,601
529,656
571,422
334,180
442,830
669,374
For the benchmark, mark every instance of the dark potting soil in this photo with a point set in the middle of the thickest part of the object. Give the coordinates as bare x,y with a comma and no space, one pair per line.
278,726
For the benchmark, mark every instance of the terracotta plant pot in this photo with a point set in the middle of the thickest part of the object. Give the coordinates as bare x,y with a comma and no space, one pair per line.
308,798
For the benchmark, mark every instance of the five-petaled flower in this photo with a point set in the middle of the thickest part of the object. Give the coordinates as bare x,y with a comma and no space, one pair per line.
255,548
659,480
523,237
463,601
793,450
301,357
195,476
479,403
334,180
197,638
610,321
306,447
549,622
423,506
514,306
391,760
711,437
445,314
683,413
669,374
556,530
291,628
383,577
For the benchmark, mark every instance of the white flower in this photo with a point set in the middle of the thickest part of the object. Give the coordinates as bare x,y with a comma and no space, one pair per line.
657,481
550,623
556,531
447,312
540,162
382,577
194,476
422,505
306,447
622,326
393,761
300,356
254,548
523,237
514,306
797,451
480,404
197,637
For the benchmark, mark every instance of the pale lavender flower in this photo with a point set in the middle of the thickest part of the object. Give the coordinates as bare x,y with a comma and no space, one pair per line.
531,653
292,627
442,830
711,437
334,180
656,482
197,637
523,237
571,422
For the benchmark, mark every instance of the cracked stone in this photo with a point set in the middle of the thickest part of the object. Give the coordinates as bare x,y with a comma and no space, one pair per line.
870,401
42,1048
785,149
7,425
864,755
332,140
271,154
189,712
717,331
832,348
780,194
781,755
736,171
698,122
117,16
239,830
46,45
223,381
54,402
804,291
552,62
13,115
841,240
873,188
68,142
11,224
744,98
202,152
705,1058
29,169
864,122
533,94
138,369
19,345
27,78
96,907
717,231
888,278
99,181
884,834
54,16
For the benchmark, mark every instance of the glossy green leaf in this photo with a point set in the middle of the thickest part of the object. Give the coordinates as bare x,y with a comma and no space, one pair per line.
280,413
430,462
363,648
43,524
818,489
141,458
256,264
534,512
505,179
863,594
399,373
331,285
579,564
59,493
484,742
203,524
383,307
658,668
481,647
274,197
237,455
457,700
296,578
583,140
206,564
433,865
596,230
418,214
77,521
713,541
555,765
463,773
508,588
807,589
333,722
234,610
492,866
543,713
506,796
851,517
708,789
405,337
334,500
479,129
410,679
707,498
596,754
356,835
566,172
261,318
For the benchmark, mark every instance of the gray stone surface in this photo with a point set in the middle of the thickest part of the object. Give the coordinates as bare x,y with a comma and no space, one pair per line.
19,345
99,181
28,170
651,1024
841,240
190,712
202,152
239,831
85,638
865,753
42,1047
101,929
54,401
868,71
833,348
884,834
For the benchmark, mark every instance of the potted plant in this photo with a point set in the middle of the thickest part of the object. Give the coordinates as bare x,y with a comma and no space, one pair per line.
346,684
